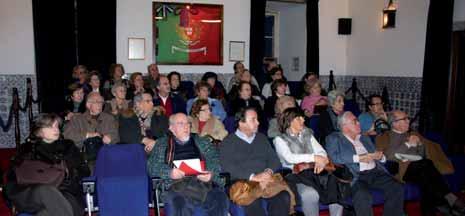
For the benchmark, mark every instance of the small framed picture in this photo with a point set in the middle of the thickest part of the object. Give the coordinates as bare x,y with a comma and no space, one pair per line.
236,50
136,48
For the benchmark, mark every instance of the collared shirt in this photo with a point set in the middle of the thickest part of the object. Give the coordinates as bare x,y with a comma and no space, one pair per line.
360,150
163,99
244,137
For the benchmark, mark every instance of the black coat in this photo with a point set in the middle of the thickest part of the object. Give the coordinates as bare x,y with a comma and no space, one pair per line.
130,131
61,149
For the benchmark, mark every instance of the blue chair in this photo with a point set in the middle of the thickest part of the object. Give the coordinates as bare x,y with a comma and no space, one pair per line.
122,182
314,123
352,106
230,124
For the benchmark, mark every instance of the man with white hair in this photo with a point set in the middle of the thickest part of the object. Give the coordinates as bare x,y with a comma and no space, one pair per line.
188,192
358,153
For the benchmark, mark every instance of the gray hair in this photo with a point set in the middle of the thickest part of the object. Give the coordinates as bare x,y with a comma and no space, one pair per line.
173,117
332,96
342,119
138,98
116,86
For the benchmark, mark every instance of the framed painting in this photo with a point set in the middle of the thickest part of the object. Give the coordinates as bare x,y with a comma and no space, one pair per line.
187,34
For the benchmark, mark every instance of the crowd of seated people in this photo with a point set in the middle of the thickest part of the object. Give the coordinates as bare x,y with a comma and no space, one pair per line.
155,110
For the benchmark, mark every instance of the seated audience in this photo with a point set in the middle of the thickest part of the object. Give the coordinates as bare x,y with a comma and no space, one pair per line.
307,79
143,123
92,129
94,82
357,152
80,76
296,144
119,103
182,145
248,155
426,170
313,98
172,103
279,89
375,114
137,86
64,196
282,104
238,69
151,79
244,100
245,77
217,89
177,88
204,123
116,73
75,102
202,89
275,73
328,117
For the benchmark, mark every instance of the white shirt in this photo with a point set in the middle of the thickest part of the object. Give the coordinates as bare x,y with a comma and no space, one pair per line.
288,159
163,99
359,150
266,90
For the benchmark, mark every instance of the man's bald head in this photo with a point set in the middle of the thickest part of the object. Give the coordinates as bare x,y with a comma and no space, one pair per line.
180,126
94,103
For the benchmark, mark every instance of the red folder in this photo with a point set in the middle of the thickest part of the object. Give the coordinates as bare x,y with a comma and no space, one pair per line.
189,171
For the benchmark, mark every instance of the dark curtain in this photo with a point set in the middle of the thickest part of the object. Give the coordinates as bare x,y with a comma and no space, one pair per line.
65,35
257,39
313,55
96,34
436,65
54,50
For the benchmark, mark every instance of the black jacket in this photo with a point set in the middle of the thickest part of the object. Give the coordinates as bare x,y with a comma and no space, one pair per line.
130,131
61,149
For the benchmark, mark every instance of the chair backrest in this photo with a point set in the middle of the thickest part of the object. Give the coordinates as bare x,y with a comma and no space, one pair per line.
230,124
189,86
352,106
122,180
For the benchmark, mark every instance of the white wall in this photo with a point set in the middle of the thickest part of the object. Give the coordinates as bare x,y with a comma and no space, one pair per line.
459,10
333,47
292,37
390,52
134,20
16,37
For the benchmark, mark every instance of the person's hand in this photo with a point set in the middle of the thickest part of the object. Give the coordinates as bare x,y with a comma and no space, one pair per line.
176,174
69,116
320,163
365,158
414,140
262,177
92,134
377,155
205,177
106,139
149,144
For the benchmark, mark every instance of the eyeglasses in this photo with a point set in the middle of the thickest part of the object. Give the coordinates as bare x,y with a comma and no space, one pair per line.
182,124
95,102
403,119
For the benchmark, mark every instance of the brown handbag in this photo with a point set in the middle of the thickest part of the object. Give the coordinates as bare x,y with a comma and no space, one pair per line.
39,172
244,192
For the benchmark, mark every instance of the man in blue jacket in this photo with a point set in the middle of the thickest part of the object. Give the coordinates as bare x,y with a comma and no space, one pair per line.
358,153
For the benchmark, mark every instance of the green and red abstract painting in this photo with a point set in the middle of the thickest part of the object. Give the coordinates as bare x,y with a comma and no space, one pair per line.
188,33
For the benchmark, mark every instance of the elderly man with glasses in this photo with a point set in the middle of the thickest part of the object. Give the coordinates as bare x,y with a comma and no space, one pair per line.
188,190
92,128
358,153
374,121
415,159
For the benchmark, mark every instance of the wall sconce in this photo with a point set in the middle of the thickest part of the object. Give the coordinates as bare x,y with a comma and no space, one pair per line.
389,15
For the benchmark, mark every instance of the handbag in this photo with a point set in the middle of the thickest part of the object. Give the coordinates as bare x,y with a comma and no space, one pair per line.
192,188
91,147
341,172
39,172
244,192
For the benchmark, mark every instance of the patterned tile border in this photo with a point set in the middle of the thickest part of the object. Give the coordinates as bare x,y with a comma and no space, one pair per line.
404,92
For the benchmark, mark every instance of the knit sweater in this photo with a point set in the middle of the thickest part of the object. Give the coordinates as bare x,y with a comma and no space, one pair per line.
242,159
